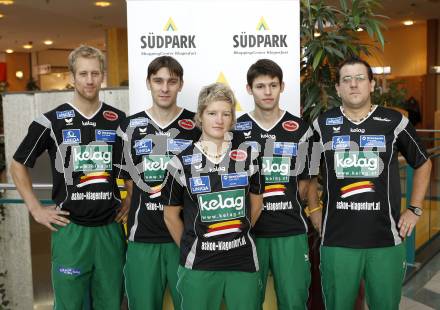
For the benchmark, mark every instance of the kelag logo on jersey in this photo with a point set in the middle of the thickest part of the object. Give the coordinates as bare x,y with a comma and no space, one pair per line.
105,135
356,164
243,126
71,136
177,145
139,122
200,185
234,179
221,206
276,169
192,159
372,141
92,158
285,149
334,121
155,166
65,114
341,142
143,146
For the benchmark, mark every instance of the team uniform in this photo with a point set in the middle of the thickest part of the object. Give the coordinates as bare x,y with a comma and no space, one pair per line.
360,237
281,230
88,252
152,256
218,257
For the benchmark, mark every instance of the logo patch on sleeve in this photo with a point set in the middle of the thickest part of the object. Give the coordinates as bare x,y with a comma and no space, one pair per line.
65,114
243,126
110,115
71,136
144,146
334,121
139,122
192,159
372,141
200,185
341,142
186,124
105,135
234,179
177,145
290,126
285,148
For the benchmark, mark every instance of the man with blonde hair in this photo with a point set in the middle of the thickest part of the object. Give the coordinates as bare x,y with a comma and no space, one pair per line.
88,245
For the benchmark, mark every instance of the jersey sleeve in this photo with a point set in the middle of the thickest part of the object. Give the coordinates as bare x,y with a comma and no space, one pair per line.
409,145
304,153
119,155
316,149
120,152
256,184
174,184
36,141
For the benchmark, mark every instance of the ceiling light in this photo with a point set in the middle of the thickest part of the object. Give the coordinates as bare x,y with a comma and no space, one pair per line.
408,22
9,51
27,46
19,74
435,69
103,4
48,42
7,2
381,70
1,15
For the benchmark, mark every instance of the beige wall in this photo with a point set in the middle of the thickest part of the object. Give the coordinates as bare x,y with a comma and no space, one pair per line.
405,50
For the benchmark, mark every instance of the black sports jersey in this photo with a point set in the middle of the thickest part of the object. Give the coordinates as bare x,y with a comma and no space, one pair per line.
147,149
283,150
361,176
83,152
216,208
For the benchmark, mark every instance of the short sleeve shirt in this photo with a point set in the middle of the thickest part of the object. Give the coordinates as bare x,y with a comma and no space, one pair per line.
148,148
283,150
84,154
216,208
361,175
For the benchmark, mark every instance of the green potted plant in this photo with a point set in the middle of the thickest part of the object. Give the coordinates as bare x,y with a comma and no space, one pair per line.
328,35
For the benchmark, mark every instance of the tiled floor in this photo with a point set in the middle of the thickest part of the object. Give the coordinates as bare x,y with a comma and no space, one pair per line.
422,292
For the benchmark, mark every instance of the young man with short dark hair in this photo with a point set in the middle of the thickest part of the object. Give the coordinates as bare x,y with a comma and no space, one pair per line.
282,142
151,137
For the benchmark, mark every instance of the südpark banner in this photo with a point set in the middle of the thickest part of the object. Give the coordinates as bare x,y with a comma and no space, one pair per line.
215,41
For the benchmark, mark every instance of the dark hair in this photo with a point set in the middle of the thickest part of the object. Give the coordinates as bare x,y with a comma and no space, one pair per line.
264,67
353,61
165,62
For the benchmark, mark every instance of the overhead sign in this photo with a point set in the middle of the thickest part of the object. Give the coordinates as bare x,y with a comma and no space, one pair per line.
215,41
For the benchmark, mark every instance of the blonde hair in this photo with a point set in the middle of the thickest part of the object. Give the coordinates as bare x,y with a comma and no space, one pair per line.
85,51
211,93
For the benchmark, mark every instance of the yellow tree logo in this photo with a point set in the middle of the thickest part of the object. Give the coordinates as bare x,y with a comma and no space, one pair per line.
222,79
170,25
262,25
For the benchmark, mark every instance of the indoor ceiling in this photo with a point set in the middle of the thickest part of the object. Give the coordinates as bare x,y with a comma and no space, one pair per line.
71,22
